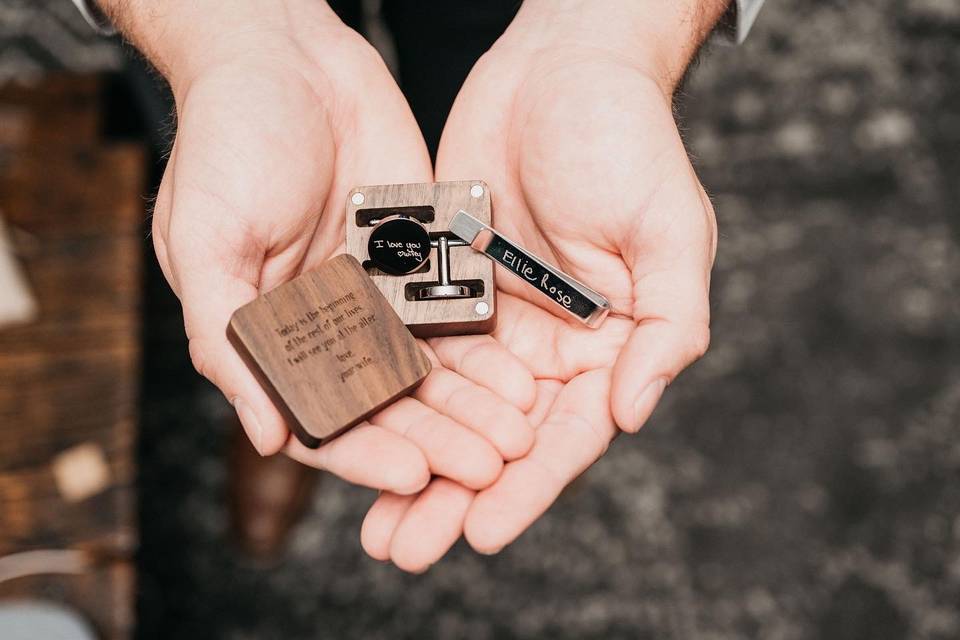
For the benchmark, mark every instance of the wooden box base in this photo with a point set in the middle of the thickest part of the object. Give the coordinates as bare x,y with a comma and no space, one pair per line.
434,205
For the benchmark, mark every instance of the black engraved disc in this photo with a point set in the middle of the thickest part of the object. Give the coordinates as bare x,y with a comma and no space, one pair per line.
399,245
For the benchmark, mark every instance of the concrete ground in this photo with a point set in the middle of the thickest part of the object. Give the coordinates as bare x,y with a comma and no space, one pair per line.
801,481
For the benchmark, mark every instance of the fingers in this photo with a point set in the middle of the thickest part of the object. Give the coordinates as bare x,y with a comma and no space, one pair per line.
486,362
576,432
381,521
370,456
547,392
432,521
415,532
451,450
552,347
428,527
671,302
479,409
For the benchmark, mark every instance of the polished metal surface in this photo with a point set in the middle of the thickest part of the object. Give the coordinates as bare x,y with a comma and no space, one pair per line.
571,295
440,291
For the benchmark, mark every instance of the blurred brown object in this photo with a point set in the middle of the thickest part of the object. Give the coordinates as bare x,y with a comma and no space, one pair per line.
16,302
69,380
268,496
62,110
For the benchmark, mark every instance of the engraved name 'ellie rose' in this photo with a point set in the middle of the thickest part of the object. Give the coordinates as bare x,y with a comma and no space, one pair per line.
528,271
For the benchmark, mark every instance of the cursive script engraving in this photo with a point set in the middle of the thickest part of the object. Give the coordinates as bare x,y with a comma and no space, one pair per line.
535,273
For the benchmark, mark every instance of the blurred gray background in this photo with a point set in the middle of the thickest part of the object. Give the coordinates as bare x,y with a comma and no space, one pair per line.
801,481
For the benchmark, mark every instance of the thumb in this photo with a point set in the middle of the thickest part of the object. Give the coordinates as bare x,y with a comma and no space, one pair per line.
671,283
216,269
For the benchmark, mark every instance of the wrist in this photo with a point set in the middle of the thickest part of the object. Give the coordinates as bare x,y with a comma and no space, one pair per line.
658,37
182,38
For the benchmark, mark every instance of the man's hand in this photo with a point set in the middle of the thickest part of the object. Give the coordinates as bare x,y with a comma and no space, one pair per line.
281,110
568,118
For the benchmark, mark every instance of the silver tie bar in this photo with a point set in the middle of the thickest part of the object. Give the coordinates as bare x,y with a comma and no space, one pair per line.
574,297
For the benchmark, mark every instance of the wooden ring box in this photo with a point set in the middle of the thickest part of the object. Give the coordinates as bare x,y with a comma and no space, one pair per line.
433,205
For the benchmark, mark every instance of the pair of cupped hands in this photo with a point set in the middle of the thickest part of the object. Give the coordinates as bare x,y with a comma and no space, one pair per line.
568,121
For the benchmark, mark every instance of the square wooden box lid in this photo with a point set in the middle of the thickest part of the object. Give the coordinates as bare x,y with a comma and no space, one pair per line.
329,349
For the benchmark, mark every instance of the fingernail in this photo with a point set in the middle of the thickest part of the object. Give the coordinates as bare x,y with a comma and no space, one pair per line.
647,401
250,423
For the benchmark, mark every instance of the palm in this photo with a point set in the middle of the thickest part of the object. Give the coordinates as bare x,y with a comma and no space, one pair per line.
587,171
237,167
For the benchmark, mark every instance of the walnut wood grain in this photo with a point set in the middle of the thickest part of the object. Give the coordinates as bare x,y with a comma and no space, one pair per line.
329,349
431,317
